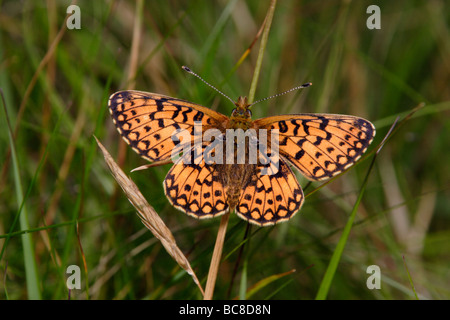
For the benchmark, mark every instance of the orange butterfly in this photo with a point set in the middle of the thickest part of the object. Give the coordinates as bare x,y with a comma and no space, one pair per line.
320,146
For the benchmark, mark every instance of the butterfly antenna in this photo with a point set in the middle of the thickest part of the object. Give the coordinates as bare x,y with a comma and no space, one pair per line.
282,93
210,85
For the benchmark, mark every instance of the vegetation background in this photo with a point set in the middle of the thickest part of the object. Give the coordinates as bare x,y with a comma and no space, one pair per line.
59,205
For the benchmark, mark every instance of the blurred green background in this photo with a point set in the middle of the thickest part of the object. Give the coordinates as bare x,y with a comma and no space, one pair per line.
59,205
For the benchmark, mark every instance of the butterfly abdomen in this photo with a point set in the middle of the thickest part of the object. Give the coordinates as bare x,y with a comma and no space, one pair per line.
228,175
235,178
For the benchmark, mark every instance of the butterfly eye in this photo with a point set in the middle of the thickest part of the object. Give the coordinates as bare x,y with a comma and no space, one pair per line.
248,113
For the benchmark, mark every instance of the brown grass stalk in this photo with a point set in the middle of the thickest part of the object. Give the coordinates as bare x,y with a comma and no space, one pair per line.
149,216
216,257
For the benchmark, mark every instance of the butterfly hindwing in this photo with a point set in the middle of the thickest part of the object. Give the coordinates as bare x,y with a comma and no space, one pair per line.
273,195
194,187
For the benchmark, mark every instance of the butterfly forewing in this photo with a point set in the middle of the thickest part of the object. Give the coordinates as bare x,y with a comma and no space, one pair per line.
320,145
148,121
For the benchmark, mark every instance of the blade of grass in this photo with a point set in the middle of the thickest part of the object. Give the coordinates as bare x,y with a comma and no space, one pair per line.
262,48
266,281
135,45
217,31
4,281
245,54
336,257
32,279
410,279
238,260
42,64
332,67
243,283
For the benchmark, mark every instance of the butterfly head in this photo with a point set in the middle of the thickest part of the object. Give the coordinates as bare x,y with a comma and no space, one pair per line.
242,110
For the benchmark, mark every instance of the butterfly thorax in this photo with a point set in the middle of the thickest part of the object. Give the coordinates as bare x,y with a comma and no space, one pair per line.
241,115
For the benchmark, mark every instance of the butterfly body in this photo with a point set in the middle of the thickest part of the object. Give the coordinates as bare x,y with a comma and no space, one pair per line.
262,192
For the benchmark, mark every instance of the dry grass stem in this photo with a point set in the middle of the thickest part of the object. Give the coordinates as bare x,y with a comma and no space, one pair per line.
148,215
216,257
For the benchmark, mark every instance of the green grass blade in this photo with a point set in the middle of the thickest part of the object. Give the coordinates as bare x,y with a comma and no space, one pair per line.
32,279
217,31
337,254
262,48
265,282
243,282
410,279
331,270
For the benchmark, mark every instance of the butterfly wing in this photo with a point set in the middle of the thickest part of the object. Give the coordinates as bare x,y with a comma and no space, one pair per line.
272,196
148,121
195,187
320,145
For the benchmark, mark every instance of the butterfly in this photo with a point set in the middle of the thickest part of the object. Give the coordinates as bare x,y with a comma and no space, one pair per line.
264,193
